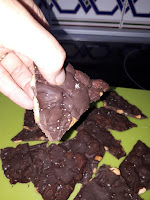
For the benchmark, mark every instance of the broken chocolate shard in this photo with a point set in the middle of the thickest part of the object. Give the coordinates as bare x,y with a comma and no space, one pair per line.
29,135
114,101
31,131
58,171
17,163
88,146
136,168
107,140
109,119
57,108
107,184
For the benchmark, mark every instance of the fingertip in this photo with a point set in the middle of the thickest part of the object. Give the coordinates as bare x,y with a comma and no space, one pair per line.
28,105
60,78
55,78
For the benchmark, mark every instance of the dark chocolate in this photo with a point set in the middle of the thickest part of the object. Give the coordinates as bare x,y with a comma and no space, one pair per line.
109,119
58,171
17,163
53,170
117,103
88,146
31,131
107,184
30,135
136,168
60,107
109,143
29,119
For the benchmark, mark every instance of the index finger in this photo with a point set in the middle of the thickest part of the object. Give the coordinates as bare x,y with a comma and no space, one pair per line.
9,88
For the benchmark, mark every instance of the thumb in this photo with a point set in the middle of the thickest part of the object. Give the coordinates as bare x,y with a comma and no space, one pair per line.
49,57
31,39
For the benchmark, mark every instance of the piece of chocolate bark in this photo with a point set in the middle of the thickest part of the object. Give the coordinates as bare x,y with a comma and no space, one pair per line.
17,163
53,170
136,168
30,135
58,171
114,101
107,184
57,108
31,131
104,137
88,146
109,119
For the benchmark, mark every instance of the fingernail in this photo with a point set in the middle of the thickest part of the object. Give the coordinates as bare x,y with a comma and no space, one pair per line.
60,78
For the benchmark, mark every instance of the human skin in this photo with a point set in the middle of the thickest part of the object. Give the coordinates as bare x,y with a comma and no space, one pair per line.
25,41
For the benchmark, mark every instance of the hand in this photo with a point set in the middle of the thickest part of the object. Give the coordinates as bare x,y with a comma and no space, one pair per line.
24,40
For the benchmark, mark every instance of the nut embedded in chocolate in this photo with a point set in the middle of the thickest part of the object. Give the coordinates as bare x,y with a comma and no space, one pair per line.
114,101
57,108
88,146
136,168
29,135
104,137
31,131
109,119
107,185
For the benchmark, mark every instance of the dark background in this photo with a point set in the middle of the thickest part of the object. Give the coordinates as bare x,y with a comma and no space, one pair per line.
120,64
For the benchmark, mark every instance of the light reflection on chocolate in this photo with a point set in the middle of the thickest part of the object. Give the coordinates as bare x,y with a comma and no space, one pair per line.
58,105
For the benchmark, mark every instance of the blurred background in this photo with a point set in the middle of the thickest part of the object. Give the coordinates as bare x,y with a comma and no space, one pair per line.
107,39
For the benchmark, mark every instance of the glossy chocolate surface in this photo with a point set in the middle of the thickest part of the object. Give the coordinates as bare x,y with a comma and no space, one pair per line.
61,106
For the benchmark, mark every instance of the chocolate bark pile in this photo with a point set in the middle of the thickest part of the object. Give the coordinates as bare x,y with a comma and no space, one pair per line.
107,184
131,180
55,169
